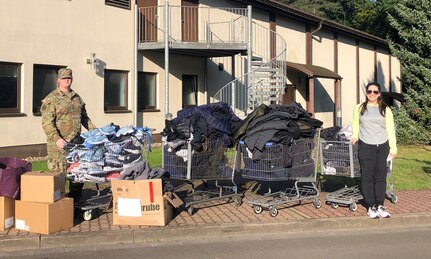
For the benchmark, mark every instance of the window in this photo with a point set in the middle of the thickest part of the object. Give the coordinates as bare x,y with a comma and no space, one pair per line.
147,91
119,3
44,82
190,90
115,90
10,87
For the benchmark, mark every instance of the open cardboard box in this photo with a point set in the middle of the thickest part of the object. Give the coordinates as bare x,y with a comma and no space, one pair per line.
142,202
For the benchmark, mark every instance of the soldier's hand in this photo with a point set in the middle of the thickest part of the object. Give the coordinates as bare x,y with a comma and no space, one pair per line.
61,143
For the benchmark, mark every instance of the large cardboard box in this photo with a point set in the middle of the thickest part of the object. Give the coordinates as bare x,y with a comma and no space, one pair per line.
7,213
42,217
43,186
141,202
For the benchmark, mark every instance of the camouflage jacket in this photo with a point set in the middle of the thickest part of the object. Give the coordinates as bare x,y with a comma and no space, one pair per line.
63,114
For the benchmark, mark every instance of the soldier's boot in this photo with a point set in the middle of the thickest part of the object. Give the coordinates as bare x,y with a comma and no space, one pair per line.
75,191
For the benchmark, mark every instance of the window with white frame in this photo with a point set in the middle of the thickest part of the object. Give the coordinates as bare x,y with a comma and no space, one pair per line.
115,95
10,87
44,81
147,85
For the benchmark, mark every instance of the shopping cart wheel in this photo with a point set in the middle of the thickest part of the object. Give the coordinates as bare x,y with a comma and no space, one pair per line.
334,205
394,198
88,214
317,204
353,207
273,211
257,209
238,201
190,210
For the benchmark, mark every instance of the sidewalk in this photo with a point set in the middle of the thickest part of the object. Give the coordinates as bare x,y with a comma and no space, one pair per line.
225,219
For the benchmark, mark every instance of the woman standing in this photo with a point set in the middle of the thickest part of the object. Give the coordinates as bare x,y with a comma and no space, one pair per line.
373,129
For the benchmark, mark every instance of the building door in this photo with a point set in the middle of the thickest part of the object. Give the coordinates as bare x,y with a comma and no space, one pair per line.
190,91
147,20
189,20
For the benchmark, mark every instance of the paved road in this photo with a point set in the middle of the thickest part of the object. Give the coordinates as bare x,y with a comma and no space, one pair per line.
387,243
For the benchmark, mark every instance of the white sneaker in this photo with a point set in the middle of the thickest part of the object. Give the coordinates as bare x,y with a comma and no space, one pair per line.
372,212
382,212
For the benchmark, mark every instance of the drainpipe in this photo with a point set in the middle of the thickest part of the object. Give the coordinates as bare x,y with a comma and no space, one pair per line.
249,46
318,28
338,114
166,57
311,79
135,73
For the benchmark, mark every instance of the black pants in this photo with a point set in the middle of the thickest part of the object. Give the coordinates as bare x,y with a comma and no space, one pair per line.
372,159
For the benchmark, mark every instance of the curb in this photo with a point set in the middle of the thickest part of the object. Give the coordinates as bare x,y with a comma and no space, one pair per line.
85,239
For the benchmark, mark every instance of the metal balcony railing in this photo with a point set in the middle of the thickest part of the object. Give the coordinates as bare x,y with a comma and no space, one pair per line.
192,24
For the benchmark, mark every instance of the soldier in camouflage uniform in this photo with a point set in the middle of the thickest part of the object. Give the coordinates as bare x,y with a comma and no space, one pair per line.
63,112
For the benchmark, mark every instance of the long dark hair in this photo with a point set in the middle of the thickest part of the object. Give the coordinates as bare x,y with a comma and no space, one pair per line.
382,105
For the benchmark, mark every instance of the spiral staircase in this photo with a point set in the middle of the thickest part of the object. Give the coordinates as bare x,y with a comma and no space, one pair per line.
265,82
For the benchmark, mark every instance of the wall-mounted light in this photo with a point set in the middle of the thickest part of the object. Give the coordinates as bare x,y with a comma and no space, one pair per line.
93,61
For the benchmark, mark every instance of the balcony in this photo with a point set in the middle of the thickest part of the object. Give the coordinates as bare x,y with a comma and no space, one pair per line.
195,31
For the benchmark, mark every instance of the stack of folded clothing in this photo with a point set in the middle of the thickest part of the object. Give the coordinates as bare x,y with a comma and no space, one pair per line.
107,151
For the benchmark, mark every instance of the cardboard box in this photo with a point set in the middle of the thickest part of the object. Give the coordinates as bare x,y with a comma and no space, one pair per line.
141,202
7,213
42,217
43,186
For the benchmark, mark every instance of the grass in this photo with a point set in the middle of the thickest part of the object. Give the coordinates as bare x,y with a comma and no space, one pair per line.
411,169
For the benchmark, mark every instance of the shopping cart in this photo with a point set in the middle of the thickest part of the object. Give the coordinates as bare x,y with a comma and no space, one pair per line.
216,162
296,161
340,158
100,163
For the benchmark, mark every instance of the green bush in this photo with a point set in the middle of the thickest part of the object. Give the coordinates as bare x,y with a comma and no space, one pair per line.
408,131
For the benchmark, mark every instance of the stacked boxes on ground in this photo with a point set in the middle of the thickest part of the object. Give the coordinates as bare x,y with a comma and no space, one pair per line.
43,207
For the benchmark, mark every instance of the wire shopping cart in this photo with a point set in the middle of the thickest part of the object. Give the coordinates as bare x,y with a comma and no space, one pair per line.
297,162
216,162
103,162
340,158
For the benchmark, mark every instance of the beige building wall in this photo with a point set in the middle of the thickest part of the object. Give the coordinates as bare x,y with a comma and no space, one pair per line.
366,67
323,55
383,77
179,65
293,33
64,33
347,69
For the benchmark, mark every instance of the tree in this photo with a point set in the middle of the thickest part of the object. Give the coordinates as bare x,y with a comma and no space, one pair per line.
366,15
411,21
371,17
329,9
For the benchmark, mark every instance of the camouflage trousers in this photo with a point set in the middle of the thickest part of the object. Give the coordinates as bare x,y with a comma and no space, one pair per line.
56,157
57,163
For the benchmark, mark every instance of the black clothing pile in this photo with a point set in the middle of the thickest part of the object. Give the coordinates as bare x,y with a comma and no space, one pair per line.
277,142
209,130
338,158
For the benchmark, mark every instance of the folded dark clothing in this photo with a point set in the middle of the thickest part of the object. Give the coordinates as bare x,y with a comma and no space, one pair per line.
135,169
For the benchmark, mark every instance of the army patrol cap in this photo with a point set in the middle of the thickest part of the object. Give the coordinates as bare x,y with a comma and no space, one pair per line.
65,73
